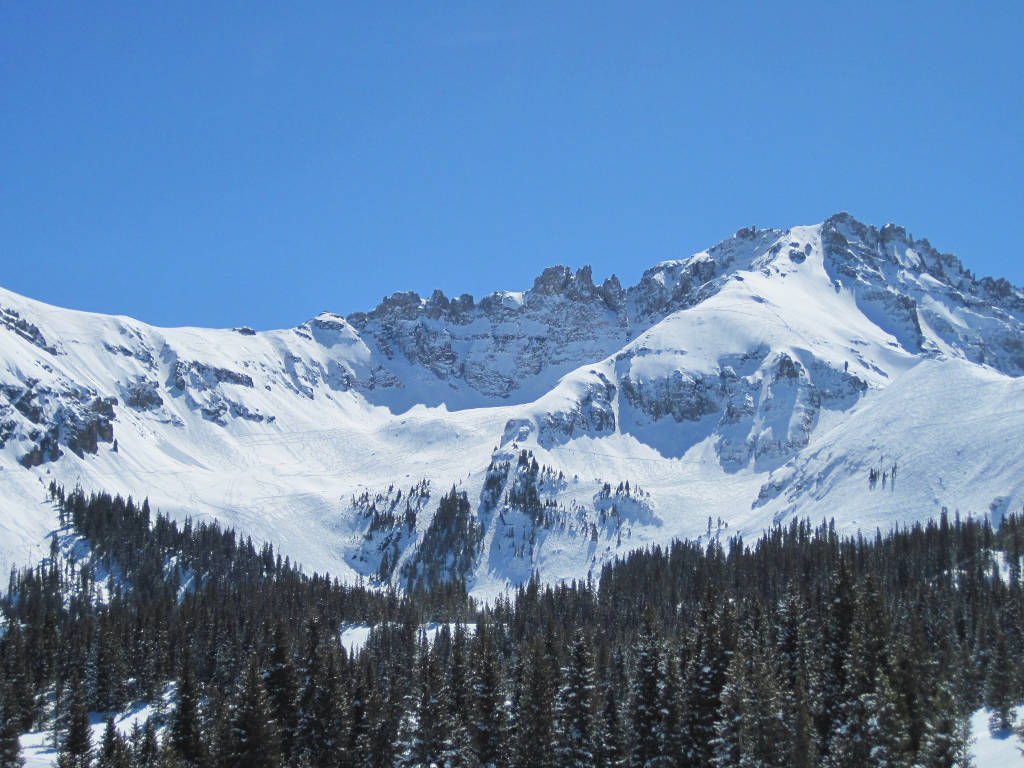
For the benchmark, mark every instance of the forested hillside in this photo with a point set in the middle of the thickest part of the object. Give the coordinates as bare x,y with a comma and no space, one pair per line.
799,649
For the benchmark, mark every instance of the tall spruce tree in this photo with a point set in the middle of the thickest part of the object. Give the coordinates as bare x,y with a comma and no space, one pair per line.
328,729
255,739
76,746
611,741
946,741
488,725
533,728
646,723
113,752
706,674
425,728
459,749
10,729
575,712
999,688
282,688
186,727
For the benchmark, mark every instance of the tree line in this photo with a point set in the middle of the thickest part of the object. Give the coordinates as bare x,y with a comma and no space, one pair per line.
803,648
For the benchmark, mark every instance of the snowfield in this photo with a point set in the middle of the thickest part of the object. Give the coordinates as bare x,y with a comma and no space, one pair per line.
828,371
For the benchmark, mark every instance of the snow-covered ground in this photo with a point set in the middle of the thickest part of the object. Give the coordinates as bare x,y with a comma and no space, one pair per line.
38,750
1000,750
995,750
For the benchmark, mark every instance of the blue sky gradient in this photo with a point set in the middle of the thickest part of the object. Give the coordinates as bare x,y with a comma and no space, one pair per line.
255,163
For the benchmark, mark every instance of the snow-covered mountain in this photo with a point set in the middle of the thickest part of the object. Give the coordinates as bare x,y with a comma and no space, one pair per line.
835,370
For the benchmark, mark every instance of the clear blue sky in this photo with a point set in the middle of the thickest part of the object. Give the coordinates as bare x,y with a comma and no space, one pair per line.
240,162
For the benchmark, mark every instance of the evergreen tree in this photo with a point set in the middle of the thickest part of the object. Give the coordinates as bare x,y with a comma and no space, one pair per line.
10,730
947,740
673,744
111,669
218,728
645,707
705,678
797,674
309,729
999,695
459,749
611,744
869,733
534,715
283,689
729,744
488,724
19,703
424,730
329,734
114,752
185,731
256,743
76,748
751,730
146,751
575,710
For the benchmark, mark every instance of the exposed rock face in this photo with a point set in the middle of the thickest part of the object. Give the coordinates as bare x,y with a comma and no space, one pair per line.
12,321
492,348
142,394
46,418
592,413
675,285
200,376
902,283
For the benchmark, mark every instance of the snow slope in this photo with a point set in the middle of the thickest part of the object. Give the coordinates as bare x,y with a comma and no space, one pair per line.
760,379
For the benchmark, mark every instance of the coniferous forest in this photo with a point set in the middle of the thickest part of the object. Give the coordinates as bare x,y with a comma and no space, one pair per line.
800,649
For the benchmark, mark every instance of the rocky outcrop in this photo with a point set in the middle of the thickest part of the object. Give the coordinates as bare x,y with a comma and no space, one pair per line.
49,420
14,322
916,293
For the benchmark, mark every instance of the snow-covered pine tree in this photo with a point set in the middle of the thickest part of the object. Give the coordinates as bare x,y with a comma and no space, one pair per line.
113,752
282,688
751,729
575,713
459,750
646,724
829,684
868,732
729,743
332,716
946,741
256,740
19,700
186,729
999,686
423,732
76,747
797,674
146,751
10,729
488,725
111,668
533,727
611,742
705,677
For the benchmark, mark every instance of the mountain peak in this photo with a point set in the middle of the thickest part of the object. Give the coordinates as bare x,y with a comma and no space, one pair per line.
731,369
